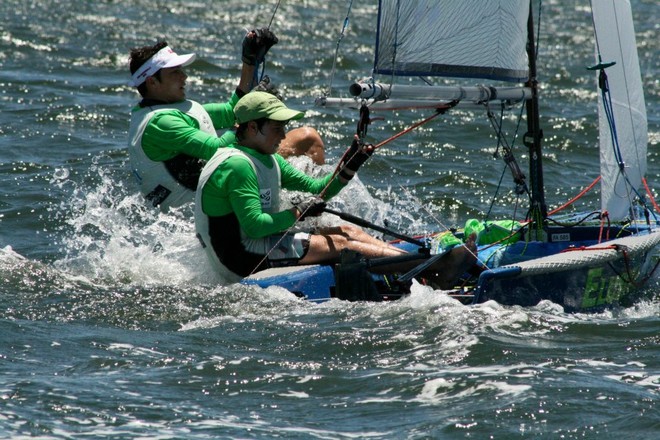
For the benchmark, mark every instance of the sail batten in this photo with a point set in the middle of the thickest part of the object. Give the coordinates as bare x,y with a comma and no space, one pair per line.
465,39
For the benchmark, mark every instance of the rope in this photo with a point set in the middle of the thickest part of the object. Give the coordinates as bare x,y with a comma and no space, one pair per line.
341,36
407,130
585,248
277,6
630,277
648,191
538,31
638,283
509,163
576,198
344,159
604,216
509,158
257,77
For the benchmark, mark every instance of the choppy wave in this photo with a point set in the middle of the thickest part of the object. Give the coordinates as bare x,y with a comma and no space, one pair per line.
112,325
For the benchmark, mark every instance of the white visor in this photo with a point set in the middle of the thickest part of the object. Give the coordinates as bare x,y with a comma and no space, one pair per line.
162,59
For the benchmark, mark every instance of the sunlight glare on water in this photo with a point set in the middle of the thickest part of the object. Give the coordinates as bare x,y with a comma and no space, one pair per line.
114,326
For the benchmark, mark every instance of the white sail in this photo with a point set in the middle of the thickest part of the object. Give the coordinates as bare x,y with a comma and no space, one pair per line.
615,35
466,38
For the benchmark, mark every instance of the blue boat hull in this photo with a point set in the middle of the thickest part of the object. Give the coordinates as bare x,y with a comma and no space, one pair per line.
523,273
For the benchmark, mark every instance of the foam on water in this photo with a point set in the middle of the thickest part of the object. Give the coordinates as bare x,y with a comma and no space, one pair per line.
112,234
113,327
112,241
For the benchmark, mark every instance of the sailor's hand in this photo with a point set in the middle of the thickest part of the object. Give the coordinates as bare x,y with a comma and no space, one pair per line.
266,86
256,44
312,206
356,155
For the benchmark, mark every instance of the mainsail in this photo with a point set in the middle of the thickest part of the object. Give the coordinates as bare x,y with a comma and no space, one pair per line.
622,157
463,39
466,39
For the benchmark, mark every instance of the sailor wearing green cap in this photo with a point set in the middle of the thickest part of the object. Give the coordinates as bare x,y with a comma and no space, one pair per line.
237,209
238,217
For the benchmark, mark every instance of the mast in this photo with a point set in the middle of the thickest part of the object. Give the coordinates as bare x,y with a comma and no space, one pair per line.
538,209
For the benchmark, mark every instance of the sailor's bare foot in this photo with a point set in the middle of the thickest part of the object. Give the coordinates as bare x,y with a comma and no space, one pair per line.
450,267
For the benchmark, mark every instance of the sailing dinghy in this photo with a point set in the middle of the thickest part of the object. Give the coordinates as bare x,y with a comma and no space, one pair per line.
583,262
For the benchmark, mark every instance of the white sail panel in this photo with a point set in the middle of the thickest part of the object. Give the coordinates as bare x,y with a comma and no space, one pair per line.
615,35
466,38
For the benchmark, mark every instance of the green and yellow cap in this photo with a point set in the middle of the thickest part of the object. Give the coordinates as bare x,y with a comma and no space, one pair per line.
257,105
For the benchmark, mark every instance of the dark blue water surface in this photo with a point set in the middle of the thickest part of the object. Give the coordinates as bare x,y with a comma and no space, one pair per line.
112,326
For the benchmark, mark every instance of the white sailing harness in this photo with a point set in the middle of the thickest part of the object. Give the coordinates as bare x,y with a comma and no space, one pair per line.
269,193
152,176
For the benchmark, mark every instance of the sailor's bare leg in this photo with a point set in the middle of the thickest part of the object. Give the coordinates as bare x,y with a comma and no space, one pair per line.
446,272
355,234
326,248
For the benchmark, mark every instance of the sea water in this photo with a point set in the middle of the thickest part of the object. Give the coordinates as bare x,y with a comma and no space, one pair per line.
113,326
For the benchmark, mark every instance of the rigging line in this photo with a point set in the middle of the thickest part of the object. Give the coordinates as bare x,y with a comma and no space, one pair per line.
509,158
593,25
498,126
398,135
653,202
500,138
341,36
407,130
606,96
499,184
427,210
415,199
342,162
256,77
274,12
574,199
405,190
609,113
277,243
402,187
538,30
497,190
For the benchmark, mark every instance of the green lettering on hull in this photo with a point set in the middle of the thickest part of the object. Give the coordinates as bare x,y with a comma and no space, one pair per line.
601,289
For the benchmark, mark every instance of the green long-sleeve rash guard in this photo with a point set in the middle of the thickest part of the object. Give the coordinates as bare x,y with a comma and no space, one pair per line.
233,188
172,132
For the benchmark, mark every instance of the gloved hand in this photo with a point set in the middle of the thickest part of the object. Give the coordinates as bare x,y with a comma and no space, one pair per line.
256,44
312,206
266,86
355,156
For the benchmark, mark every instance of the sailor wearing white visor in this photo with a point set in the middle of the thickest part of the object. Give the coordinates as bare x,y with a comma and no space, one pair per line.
171,137
163,59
